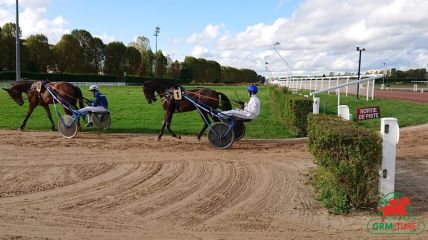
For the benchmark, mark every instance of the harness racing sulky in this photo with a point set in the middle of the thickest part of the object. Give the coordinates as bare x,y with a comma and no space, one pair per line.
224,130
67,124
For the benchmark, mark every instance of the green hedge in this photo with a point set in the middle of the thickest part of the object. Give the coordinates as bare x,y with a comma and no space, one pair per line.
348,159
293,109
68,77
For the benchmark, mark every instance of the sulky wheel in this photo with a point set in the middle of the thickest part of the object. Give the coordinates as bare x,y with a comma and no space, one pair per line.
67,126
220,136
239,130
102,121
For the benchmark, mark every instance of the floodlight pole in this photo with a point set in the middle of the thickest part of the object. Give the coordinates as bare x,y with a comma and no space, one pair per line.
18,51
359,68
156,34
287,70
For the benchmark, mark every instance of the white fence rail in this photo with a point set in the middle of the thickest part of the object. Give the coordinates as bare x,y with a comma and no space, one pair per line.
316,83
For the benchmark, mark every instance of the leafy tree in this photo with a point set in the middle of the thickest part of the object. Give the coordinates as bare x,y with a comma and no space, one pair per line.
174,70
9,30
8,34
2,51
188,68
146,66
86,43
68,54
98,56
133,60
160,64
142,43
115,58
39,53
213,72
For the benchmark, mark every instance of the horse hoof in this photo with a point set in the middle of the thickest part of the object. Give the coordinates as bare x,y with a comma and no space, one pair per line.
199,139
20,129
178,136
158,139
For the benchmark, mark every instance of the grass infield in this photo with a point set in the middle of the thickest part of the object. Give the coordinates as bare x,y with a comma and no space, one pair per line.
132,114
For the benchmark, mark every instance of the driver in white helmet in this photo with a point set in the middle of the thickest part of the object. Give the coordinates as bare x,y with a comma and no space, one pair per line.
97,105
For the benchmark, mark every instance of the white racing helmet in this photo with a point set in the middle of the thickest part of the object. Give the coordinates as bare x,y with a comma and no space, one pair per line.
93,88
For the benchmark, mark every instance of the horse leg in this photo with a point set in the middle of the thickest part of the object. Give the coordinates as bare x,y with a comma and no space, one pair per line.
168,124
27,116
161,132
48,112
205,125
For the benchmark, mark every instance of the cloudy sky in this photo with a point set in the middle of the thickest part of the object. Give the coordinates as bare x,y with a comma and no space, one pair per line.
315,36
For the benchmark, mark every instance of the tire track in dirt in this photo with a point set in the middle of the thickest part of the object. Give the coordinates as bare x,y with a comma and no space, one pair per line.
46,177
133,187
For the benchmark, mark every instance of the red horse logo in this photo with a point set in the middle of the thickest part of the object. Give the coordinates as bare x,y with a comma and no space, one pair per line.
395,207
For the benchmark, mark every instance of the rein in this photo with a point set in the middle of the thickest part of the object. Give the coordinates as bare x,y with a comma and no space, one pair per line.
201,96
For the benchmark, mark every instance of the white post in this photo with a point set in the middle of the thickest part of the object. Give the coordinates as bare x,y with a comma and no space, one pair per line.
338,97
337,82
373,88
367,94
316,106
329,82
347,81
316,84
390,132
343,112
322,83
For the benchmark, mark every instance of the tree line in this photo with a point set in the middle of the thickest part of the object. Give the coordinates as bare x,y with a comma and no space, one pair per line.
81,53
419,73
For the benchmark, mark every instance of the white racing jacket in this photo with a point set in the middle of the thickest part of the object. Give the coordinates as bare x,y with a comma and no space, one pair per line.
252,108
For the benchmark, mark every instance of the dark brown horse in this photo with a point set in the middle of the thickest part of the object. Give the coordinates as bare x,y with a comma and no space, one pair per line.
67,91
164,90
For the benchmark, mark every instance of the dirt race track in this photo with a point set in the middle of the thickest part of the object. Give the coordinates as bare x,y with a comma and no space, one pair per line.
101,186
403,95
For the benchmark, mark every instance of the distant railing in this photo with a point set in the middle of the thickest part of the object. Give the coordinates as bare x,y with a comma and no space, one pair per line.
317,83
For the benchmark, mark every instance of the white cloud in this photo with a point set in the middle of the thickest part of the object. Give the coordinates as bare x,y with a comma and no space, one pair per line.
209,33
107,38
201,52
321,36
282,3
33,18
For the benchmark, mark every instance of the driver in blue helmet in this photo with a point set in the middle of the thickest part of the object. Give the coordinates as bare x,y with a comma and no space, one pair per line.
98,105
249,110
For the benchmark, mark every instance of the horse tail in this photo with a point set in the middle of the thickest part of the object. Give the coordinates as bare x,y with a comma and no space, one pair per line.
225,102
79,96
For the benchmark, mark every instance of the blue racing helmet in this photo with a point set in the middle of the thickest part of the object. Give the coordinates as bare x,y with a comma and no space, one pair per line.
252,89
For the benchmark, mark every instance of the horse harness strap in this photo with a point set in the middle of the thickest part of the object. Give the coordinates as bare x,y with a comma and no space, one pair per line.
40,86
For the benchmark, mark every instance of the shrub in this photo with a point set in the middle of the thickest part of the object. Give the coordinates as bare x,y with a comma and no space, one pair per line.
293,109
348,159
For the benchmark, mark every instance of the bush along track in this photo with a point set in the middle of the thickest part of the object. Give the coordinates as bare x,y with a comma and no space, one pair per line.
292,109
348,159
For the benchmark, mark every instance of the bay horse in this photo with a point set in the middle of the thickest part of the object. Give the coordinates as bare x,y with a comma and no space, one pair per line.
70,93
164,89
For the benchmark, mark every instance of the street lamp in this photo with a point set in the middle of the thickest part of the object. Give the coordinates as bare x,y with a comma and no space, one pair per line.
18,51
287,67
359,68
156,34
